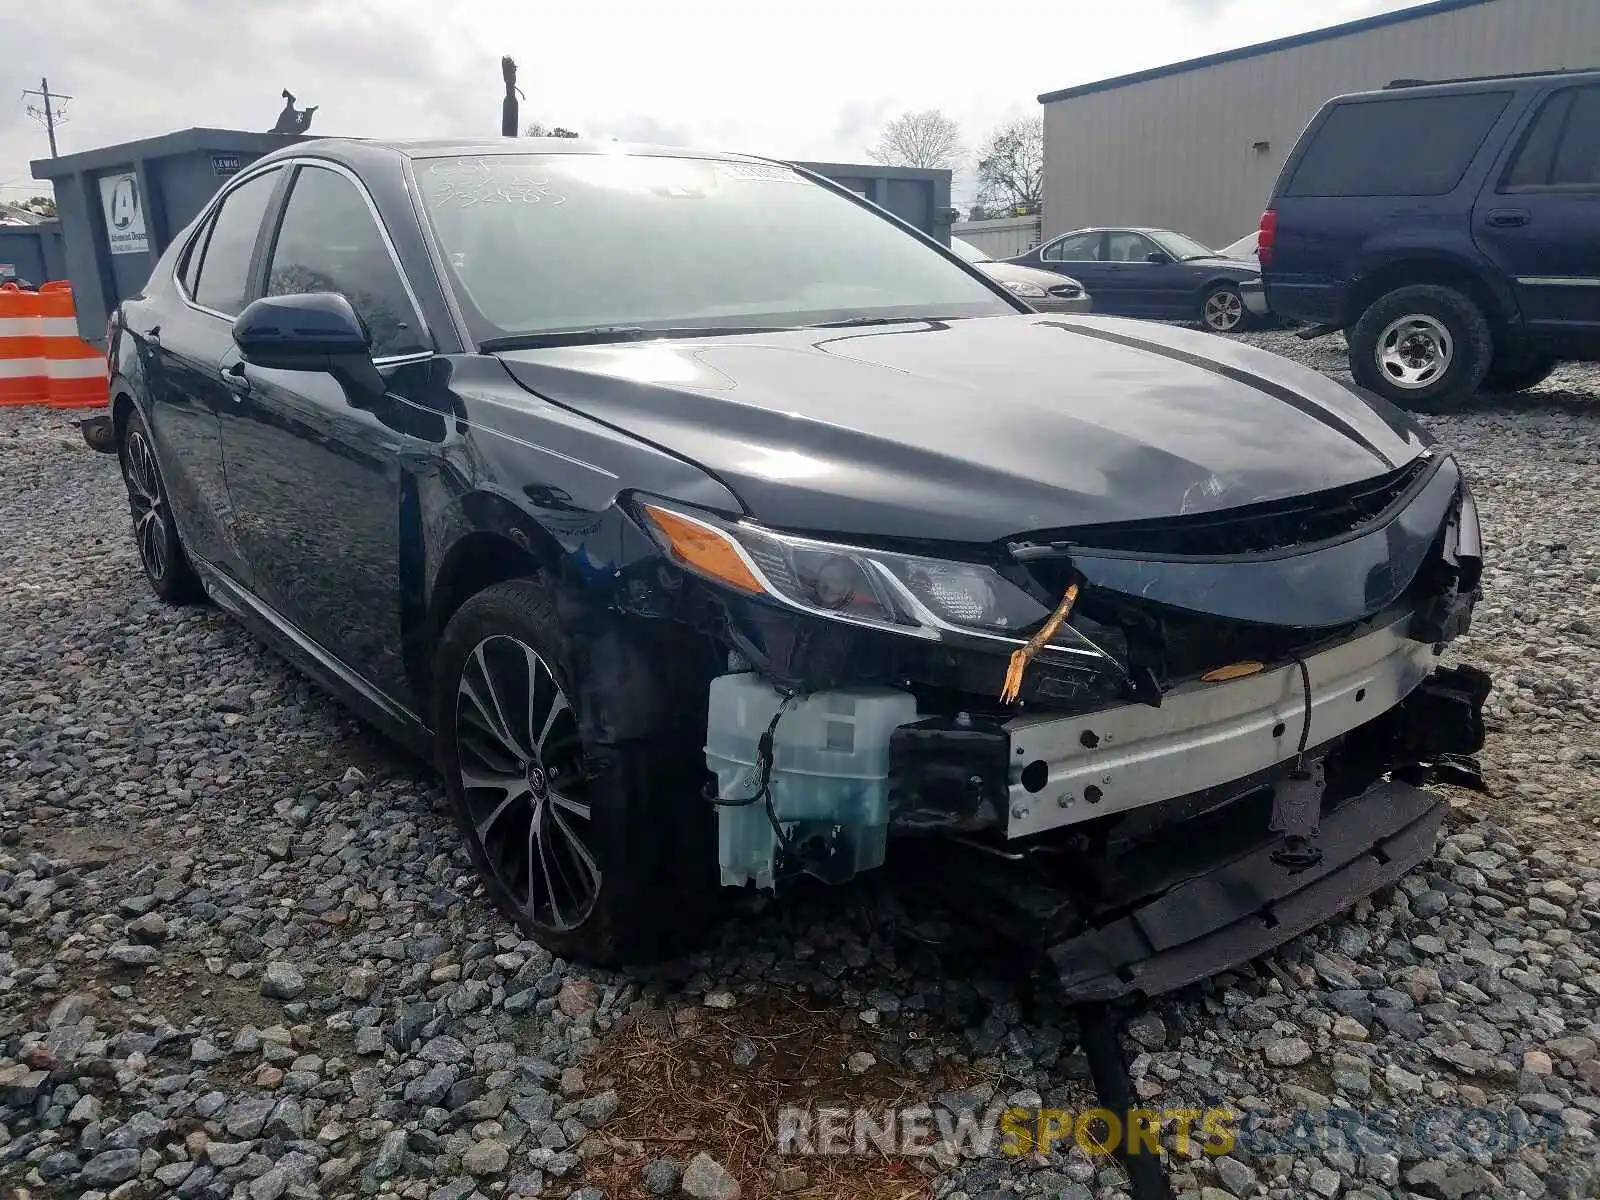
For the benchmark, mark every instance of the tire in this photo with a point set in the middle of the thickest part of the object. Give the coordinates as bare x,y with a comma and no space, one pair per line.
1517,371
604,854
1222,309
1425,348
155,532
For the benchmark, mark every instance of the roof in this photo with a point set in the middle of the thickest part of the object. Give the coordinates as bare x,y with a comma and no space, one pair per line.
1415,13
489,146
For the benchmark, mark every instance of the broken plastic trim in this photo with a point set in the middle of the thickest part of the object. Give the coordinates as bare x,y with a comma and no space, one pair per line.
1289,527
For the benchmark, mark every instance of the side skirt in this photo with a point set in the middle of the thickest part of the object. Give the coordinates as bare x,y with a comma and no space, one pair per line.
393,720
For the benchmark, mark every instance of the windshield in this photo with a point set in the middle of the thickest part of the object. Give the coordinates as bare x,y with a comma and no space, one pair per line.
968,251
1181,247
547,243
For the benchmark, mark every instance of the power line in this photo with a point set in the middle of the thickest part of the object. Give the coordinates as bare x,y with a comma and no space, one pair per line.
44,113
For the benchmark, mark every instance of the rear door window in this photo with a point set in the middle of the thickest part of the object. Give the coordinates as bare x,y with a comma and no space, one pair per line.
1562,147
1406,146
223,283
1082,247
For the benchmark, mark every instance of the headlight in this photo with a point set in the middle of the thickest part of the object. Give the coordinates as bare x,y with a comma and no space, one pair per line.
1031,291
904,593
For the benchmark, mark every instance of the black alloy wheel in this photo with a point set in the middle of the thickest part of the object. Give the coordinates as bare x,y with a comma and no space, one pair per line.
155,533
522,777
605,853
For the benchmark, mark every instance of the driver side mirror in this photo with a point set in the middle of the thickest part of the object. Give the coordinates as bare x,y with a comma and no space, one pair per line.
310,331
1159,257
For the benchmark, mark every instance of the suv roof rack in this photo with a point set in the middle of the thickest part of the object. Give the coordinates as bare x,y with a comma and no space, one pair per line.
1409,83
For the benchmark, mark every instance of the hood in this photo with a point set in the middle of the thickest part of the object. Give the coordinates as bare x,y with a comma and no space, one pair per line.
1247,266
976,430
1017,273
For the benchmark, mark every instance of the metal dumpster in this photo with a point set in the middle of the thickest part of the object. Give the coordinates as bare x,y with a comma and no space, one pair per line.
121,205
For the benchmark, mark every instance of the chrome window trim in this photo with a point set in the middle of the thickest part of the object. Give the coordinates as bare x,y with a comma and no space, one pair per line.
206,215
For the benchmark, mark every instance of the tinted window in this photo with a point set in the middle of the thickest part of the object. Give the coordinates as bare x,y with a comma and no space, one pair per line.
329,242
539,243
1531,167
1419,146
1128,247
224,280
1562,146
1578,158
1082,247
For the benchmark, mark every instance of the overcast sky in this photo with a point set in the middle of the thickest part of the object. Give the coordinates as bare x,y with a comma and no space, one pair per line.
811,80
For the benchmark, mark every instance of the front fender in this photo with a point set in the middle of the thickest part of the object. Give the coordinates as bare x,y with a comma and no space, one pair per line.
517,480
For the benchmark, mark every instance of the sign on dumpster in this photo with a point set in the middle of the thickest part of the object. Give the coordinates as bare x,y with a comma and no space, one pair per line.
119,196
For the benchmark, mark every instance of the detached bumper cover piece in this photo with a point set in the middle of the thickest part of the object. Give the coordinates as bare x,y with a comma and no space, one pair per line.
1232,909
1254,297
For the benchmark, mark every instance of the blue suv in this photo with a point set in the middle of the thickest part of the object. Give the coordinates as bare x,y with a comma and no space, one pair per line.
1451,230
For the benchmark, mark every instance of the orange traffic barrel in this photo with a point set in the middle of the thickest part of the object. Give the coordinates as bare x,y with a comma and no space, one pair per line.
23,377
75,371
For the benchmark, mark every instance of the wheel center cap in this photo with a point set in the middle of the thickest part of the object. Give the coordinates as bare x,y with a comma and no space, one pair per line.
538,781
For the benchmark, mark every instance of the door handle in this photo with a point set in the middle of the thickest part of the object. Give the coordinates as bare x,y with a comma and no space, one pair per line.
235,380
1506,218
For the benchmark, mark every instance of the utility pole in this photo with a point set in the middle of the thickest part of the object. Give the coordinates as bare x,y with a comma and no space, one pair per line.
45,113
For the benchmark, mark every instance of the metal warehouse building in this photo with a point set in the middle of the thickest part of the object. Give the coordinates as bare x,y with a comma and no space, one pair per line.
1197,146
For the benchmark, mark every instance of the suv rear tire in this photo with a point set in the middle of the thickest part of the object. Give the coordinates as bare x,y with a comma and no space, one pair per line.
603,853
1424,347
1517,371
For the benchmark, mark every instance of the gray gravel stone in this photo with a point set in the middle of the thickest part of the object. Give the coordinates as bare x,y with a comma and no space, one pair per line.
110,1168
661,1176
282,981
488,1157
132,954
707,1179
1287,1052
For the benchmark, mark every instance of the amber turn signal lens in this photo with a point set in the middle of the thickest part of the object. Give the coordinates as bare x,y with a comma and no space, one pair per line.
704,549
1237,670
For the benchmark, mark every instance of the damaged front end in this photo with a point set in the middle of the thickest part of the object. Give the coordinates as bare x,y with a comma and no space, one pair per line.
1162,746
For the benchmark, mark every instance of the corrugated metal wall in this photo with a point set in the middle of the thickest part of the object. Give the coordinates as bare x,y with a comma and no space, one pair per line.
1003,237
1177,152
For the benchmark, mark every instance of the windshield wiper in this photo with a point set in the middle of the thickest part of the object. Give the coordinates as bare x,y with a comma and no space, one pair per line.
613,333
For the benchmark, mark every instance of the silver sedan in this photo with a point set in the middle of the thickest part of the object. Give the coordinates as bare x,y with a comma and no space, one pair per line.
1043,290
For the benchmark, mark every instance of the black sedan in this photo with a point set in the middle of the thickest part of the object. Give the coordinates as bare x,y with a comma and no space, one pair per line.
705,525
1155,273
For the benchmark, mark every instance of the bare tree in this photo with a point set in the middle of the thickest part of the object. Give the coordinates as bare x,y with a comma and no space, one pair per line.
539,129
1011,166
919,139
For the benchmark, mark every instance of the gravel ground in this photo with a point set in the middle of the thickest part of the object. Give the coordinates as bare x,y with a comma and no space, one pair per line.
242,955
